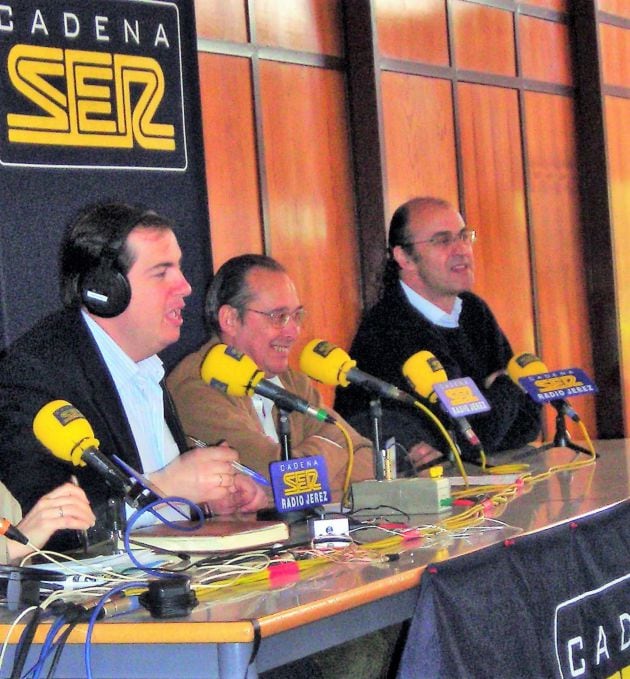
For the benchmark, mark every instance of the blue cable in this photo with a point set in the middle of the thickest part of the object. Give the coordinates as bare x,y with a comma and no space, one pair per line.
46,648
94,617
194,525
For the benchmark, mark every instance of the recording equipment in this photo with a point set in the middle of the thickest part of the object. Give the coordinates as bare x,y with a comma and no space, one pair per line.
423,371
65,432
529,365
522,365
235,373
331,365
543,385
12,532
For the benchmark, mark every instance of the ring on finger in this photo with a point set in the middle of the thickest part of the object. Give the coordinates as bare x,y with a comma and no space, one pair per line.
61,512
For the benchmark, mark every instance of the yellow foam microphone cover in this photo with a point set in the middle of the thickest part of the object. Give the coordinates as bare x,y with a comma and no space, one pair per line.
525,364
422,371
230,371
63,429
326,362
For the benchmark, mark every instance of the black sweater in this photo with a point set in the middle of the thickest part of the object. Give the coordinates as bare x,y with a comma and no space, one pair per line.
393,330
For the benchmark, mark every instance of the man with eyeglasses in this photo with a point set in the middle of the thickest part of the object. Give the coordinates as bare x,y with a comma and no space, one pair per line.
427,304
252,305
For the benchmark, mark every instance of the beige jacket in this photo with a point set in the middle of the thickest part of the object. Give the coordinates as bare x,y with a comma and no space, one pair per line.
211,416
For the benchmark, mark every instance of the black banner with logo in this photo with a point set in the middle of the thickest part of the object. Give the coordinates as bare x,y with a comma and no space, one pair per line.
99,100
550,604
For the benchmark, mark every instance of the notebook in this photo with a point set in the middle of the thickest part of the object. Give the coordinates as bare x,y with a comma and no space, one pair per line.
215,535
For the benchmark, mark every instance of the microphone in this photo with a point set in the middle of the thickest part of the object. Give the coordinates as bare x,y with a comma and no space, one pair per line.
423,371
12,532
65,432
235,373
526,365
331,365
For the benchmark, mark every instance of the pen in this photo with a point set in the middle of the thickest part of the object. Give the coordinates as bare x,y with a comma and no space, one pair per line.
250,472
237,465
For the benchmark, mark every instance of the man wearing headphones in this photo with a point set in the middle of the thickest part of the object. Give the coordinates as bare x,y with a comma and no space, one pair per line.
123,292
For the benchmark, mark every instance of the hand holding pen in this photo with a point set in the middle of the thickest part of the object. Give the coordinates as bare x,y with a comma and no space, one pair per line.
259,478
250,494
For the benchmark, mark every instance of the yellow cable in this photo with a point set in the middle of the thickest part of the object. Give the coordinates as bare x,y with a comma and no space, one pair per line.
589,443
501,468
471,516
346,481
447,437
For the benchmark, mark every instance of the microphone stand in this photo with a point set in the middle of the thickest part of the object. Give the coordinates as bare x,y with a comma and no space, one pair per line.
284,433
376,416
561,438
271,513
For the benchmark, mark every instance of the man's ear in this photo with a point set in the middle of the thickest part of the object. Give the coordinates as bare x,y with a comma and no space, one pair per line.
228,318
403,259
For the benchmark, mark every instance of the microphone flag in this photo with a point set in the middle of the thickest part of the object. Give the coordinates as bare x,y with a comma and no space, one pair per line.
300,483
461,397
558,385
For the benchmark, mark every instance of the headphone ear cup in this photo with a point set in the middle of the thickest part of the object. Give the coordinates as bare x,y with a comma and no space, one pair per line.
105,291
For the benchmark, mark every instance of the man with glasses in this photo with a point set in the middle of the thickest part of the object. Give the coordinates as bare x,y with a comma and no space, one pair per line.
427,304
253,306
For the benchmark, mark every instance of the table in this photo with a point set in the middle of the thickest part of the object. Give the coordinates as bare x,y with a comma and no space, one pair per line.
333,605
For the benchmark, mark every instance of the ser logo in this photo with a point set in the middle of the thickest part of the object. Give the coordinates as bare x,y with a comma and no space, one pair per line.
556,383
302,481
299,483
84,99
460,395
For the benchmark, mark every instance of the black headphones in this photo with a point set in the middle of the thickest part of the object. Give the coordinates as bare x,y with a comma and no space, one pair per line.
104,286
105,289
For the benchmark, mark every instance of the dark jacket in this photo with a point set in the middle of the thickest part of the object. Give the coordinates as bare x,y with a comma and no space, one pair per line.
59,359
393,330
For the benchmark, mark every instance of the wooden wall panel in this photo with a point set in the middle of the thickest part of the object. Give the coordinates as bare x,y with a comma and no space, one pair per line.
229,145
617,115
306,25
412,30
419,138
310,194
221,19
545,53
619,7
484,39
560,281
615,49
495,206
426,147
557,5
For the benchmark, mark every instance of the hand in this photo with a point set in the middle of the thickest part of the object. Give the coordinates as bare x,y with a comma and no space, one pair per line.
199,475
422,454
249,497
64,507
